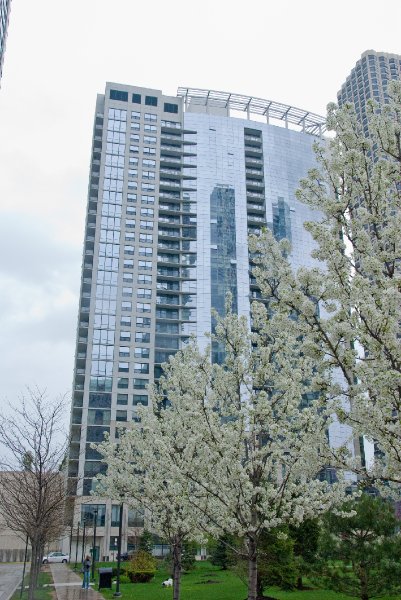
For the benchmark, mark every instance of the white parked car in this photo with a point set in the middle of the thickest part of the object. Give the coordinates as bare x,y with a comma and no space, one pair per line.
56,557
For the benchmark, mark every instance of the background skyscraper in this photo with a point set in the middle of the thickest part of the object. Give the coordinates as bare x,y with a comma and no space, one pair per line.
4,17
369,80
176,186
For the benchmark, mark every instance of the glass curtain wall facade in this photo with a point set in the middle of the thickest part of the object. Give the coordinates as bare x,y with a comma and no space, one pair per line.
175,189
4,17
369,80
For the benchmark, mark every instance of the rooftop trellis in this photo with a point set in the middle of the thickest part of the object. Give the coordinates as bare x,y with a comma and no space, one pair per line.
302,119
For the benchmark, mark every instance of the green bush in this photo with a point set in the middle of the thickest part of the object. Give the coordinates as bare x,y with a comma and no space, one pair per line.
125,579
123,571
142,567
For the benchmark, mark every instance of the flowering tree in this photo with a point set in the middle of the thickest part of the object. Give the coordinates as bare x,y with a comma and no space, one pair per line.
145,469
356,329
253,430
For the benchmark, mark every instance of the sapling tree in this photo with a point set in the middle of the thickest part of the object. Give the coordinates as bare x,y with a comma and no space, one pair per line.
347,308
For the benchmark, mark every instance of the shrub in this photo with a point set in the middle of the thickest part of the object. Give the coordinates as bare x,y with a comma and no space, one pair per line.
125,579
123,571
142,567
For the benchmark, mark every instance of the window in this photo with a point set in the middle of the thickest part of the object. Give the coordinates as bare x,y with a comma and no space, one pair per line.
129,249
145,251
145,265
147,199
140,384
132,172
135,126
120,95
132,185
131,198
142,337
130,223
143,322
134,137
122,399
148,175
123,351
126,306
121,415
125,321
145,279
125,336
140,398
115,521
135,114
141,368
149,163
123,367
147,187
128,277
88,514
136,99
133,160
146,238
127,291
146,150
128,263
151,116
134,149
142,307
149,139
151,128
141,352
170,108
129,236
122,383
147,212
144,293
100,400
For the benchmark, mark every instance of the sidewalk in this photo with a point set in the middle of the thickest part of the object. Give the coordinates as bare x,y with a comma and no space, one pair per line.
68,585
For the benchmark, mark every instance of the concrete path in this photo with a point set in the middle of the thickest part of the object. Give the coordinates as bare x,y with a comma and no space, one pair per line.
68,585
10,578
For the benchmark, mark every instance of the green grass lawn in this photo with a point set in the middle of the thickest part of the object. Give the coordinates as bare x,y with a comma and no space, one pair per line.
207,582
42,593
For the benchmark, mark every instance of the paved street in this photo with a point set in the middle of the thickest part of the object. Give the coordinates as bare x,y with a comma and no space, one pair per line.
68,585
10,577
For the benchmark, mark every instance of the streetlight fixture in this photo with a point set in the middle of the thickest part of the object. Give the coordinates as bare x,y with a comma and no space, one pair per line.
95,512
83,541
117,593
76,547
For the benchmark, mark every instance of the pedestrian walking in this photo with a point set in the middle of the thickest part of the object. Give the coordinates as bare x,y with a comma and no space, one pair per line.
86,570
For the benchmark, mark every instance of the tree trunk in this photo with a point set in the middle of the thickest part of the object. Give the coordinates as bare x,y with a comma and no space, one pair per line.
363,578
177,552
252,570
36,560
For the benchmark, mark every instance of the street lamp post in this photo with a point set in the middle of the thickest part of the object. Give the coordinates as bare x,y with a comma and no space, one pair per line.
76,547
117,593
94,543
83,541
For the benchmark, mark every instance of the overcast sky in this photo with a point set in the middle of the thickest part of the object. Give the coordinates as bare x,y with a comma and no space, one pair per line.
59,55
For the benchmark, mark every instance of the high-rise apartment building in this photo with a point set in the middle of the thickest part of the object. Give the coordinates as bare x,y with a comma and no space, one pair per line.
368,80
177,184
4,17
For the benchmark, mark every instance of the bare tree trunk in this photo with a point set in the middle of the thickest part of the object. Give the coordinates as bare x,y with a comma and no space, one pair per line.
252,570
35,567
177,568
